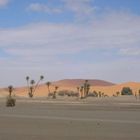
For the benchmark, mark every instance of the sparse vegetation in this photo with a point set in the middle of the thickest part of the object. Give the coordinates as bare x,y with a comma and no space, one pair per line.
78,91
68,93
48,86
84,90
95,93
55,91
31,85
31,88
10,101
99,94
92,94
117,93
139,94
126,91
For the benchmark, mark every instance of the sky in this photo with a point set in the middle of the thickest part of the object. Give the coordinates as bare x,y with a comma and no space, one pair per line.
69,39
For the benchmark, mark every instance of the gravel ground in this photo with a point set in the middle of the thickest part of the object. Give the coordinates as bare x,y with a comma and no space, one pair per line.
92,119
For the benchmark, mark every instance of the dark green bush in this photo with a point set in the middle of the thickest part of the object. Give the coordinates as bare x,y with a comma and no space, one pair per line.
126,91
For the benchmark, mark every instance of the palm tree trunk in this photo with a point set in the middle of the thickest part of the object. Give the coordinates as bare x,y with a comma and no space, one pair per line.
36,86
48,90
10,93
28,86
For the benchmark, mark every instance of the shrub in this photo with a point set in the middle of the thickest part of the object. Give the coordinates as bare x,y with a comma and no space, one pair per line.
10,101
68,93
61,93
91,94
32,86
126,91
30,94
117,93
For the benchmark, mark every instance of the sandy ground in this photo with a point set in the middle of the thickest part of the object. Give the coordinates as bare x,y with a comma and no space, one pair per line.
42,90
92,119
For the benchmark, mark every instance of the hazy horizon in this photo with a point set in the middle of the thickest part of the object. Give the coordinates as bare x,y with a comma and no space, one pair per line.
69,39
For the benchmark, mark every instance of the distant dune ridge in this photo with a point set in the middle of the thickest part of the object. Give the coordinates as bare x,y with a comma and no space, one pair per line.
105,87
79,82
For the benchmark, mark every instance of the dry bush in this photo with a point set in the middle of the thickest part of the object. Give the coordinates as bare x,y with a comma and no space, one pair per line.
10,101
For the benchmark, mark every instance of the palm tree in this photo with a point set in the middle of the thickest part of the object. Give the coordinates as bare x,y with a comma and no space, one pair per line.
32,82
10,100
117,93
86,88
48,86
27,79
100,94
31,88
56,88
78,90
41,78
31,85
139,94
10,89
86,81
103,95
55,91
28,86
81,91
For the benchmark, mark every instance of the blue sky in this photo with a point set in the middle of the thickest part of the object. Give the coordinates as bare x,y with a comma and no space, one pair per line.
91,39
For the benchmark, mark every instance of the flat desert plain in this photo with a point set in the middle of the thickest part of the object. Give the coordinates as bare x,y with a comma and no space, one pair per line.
110,118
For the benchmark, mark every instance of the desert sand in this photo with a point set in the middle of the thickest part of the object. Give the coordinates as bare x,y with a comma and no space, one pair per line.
42,90
105,87
70,118
108,90
112,118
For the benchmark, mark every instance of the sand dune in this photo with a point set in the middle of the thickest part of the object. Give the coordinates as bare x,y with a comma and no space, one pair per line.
79,82
110,90
106,88
69,85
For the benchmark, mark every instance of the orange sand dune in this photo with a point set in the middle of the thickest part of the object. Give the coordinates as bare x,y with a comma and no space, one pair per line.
43,91
108,90
79,82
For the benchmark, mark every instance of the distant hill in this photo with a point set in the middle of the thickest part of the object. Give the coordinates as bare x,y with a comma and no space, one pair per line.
71,84
79,82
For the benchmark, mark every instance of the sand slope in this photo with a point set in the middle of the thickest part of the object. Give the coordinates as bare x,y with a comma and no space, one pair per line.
79,82
43,91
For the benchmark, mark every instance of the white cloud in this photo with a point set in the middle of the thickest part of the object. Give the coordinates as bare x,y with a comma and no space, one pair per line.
37,47
3,2
81,8
118,32
134,51
38,7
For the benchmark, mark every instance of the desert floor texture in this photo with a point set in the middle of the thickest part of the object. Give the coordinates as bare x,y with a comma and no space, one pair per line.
112,118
